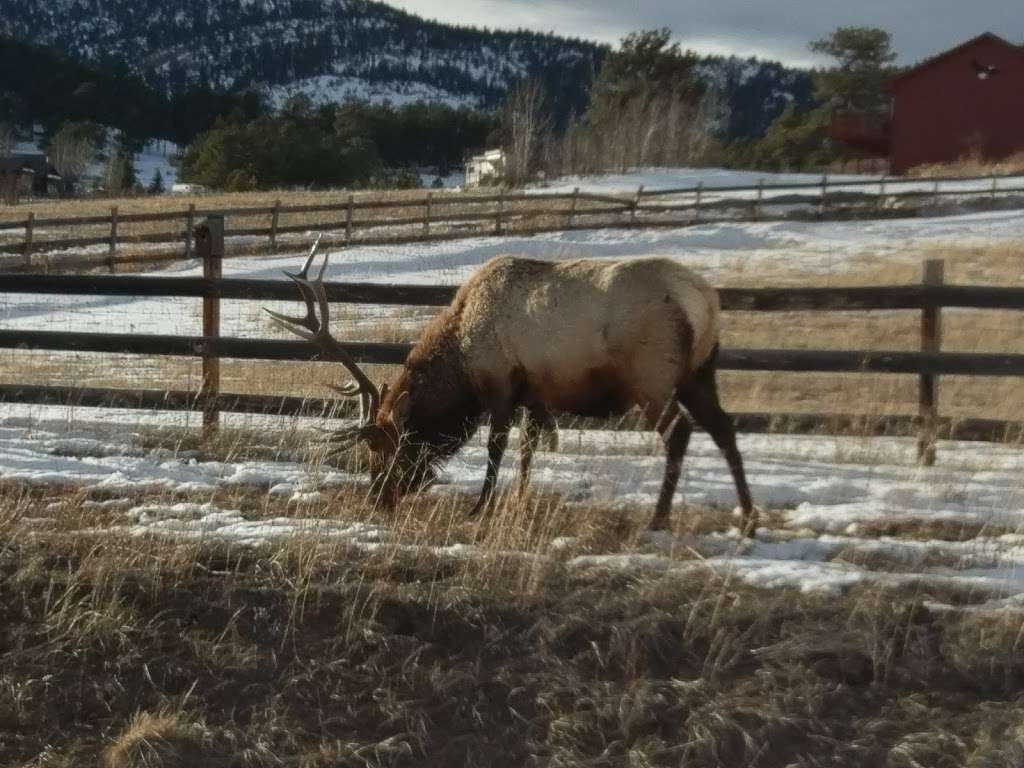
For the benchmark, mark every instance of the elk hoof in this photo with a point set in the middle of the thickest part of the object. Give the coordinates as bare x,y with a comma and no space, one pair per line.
750,518
658,523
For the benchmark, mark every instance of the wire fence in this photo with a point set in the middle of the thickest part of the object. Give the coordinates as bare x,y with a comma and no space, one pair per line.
150,346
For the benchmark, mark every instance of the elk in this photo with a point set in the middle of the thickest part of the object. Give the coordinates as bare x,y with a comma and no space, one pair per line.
590,337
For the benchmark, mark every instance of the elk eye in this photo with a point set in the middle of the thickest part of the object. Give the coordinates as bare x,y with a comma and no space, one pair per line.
377,438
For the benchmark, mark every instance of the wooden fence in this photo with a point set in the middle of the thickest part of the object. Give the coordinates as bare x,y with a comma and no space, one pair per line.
447,216
927,299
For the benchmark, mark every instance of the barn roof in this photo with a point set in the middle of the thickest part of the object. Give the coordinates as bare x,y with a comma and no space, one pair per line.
929,63
15,164
37,163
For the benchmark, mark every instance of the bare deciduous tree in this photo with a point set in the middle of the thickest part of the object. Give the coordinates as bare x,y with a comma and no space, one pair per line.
525,123
72,148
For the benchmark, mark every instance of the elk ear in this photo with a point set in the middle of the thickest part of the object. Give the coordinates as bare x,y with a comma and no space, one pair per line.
400,410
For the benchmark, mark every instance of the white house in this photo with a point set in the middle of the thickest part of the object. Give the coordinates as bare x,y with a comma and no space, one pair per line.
486,169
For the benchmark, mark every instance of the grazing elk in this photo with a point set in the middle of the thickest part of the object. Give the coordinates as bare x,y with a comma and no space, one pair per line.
587,337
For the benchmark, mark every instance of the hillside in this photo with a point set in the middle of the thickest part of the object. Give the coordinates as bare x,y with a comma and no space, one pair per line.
339,49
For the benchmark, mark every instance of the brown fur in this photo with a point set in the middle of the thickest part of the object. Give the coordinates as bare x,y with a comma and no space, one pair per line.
588,337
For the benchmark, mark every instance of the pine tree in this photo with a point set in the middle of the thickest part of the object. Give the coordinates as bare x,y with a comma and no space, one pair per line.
156,186
864,59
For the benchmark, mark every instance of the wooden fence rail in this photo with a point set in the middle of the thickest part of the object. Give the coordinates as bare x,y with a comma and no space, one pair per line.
789,299
382,353
459,215
927,298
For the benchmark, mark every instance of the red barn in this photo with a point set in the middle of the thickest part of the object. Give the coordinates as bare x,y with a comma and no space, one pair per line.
966,101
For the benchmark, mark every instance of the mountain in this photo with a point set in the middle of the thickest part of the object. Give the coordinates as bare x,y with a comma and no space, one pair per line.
336,49
751,93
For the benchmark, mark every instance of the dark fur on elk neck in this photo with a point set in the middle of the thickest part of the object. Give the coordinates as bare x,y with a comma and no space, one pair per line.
445,409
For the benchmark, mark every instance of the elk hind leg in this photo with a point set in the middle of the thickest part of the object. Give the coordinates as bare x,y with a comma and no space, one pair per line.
676,436
701,399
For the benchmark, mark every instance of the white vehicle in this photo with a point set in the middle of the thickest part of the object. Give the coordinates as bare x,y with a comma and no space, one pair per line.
188,189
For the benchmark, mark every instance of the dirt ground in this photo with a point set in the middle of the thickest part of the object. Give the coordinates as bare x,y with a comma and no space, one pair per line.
132,652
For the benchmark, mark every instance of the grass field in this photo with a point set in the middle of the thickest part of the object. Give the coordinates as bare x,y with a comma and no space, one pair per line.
133,651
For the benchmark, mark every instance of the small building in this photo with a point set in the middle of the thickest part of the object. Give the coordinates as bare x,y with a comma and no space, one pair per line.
45,180
15,179
487,169
966,102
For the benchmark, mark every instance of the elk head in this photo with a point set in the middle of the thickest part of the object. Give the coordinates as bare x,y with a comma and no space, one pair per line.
394,468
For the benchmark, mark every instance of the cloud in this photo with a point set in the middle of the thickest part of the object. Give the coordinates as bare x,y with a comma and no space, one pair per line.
776,29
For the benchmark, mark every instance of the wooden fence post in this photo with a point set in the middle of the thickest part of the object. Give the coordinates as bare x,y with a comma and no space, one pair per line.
348,221
636,203
112,250
881,194
29,231
696,209
426,214
822,204
931,341
274,214
190,223
209,236
572,208
500,215
757,201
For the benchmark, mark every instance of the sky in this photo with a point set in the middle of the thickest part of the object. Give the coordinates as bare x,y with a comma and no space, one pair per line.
774,29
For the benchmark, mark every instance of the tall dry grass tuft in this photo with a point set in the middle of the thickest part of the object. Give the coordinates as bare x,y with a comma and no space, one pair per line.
161,739
972,165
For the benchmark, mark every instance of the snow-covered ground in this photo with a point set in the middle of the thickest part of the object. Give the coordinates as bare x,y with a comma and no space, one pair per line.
451,180
823,496
654,179
719,251
661,179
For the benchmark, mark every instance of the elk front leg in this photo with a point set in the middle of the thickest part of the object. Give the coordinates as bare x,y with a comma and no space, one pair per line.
497,439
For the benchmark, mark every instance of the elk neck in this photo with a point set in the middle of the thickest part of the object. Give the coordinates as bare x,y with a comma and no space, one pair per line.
446,410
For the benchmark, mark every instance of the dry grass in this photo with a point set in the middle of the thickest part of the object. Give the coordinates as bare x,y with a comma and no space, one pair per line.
972,165
212,201
139,652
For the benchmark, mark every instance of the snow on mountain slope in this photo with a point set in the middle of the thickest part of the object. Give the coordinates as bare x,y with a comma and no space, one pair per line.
344,48
325,89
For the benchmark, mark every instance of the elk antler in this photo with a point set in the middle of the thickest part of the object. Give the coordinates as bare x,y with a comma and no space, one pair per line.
317,330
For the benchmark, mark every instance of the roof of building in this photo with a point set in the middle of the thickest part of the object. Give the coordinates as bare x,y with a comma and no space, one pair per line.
38,162
16,164
929,63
